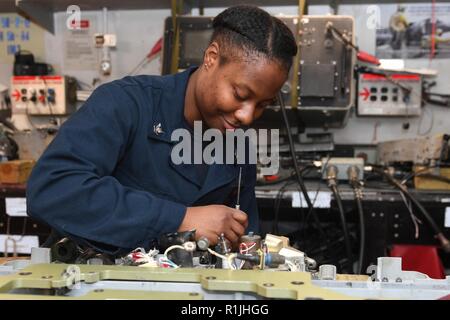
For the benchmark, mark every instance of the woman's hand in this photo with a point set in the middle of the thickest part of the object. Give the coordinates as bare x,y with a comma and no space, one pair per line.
213,220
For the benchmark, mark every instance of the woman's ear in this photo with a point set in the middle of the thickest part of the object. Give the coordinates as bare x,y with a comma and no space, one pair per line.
211,56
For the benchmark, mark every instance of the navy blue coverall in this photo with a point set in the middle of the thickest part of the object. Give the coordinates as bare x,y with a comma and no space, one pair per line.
108,178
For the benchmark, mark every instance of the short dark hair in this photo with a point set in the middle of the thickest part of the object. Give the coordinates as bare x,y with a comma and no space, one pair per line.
254,31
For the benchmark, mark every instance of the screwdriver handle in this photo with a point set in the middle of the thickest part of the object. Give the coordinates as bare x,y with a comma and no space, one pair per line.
366,57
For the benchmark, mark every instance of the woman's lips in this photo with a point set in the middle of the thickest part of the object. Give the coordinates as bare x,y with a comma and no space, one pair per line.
228,125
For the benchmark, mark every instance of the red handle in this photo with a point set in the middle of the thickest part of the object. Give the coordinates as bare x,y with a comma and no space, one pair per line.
366,57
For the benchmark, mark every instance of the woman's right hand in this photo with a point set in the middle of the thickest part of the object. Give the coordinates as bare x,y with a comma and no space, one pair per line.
213,220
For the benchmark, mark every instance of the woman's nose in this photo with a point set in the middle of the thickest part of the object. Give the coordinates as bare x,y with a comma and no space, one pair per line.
245,114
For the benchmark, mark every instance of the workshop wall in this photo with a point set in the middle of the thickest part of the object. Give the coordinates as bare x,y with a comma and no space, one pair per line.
371,130
137,31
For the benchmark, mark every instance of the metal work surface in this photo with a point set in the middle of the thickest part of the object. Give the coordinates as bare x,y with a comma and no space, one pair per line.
37,281
93,282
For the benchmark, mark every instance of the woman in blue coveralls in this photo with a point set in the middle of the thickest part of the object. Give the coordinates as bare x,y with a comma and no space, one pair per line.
107,179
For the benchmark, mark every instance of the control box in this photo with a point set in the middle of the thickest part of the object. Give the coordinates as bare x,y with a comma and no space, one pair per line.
325,83
43,95
397,94
342,166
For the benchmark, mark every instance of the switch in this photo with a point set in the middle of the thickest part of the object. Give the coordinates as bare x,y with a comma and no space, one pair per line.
51,99
33,97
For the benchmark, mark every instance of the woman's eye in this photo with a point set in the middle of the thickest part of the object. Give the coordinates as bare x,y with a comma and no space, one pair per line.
238,97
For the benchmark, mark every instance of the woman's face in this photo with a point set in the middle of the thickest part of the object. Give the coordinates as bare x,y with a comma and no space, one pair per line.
234,94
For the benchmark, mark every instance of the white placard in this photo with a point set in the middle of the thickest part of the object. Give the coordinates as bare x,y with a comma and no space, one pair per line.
16,207
79,47
447,217
323,199
23,243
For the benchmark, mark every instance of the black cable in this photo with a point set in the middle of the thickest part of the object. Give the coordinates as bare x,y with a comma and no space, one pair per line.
294,159
362,230
279,197
324,166
277,204
348,247
437,231
308,215
413,174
